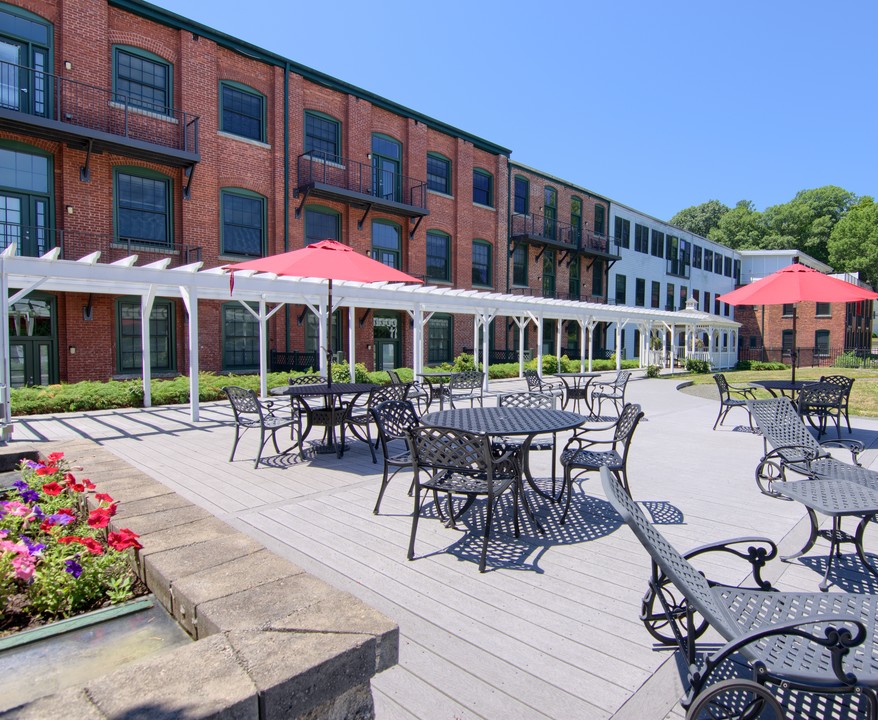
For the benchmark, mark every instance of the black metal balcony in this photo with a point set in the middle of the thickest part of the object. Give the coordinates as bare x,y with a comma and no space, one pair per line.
35,241
362,184
40,104
536,229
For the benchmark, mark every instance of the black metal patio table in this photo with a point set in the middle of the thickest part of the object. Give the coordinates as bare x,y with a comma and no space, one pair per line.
576,388
782,388
498,421
330,415
436,381
837,499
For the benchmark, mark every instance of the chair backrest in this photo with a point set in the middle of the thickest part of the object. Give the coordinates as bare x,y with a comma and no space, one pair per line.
394,377
820,394
783,429
378,395
445,448
722,385
527,400
306,380
394,418
533,379
691,583
622,379
243,401
626,425
466,380
843,381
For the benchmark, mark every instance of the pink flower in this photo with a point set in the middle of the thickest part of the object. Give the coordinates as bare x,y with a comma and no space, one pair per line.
17,509
24,566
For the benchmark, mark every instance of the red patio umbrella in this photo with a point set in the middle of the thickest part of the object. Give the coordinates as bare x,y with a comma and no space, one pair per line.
329,260
794,284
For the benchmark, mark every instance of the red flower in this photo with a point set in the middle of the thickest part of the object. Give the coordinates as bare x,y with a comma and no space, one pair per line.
89,484
69,479
52,488
103,497
67,539
112,509
55,457
67,511
76,487
46,526
92,545
123,540
99,518
45,470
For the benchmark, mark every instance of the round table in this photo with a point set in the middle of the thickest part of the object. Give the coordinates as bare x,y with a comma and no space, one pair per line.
329,416
436,380
527,422
780,388
575,389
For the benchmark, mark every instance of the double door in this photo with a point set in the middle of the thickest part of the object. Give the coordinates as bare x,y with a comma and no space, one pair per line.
32,344
23,79
24,220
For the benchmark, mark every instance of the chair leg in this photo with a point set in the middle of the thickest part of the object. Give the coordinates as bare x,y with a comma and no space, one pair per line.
415,515
371,444
489,512
238,434
568,481
274,440
262,441
384,480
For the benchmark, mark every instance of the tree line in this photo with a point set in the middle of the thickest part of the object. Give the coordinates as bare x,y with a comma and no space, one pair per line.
828,223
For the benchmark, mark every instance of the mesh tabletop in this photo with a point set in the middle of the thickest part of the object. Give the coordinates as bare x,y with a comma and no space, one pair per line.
505,420
322,389
833,497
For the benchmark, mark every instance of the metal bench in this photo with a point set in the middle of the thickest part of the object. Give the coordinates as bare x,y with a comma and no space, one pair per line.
791,642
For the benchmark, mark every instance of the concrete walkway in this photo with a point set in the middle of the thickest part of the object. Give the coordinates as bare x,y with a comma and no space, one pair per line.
552,629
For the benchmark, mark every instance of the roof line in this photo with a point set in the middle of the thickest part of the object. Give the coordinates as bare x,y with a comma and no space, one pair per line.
171,19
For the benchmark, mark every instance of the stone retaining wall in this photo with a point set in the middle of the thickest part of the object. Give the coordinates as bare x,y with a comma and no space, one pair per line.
273,641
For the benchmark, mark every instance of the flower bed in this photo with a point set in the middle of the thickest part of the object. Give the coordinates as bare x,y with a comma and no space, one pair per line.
57,558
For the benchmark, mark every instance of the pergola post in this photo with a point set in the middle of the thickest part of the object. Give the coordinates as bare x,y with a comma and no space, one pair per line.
146,302
558,323
190,300
6,428
581,344
352,342
540,344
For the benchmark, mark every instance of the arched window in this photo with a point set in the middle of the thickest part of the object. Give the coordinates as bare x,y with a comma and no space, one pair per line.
438,256
387,243
144,211
242,231
321,223
143,80
242,111
482,262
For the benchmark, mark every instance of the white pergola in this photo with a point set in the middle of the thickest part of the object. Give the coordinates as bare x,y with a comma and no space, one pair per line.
263,294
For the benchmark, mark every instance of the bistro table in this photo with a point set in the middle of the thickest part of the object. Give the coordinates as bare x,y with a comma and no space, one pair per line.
782,388
838,499
576,388
436,381
498,421
330,415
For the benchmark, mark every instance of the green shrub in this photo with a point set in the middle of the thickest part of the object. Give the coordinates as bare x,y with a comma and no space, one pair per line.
341,373
653,371
847,360
702,367
464,362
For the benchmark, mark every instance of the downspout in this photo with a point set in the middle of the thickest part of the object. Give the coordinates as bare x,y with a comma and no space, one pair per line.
286,191
508,253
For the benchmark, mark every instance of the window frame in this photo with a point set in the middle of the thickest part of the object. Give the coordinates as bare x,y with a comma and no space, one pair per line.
171,336
433,357
657,243
148,174
446,239
655,296
397,253
489,268
696,256
439,157
244,90
622,232
641,243
516,196
828,310
574,272
481,172
520,252
167,110
640,292
822,349
322,154
248,195
321,210
620,286
226,366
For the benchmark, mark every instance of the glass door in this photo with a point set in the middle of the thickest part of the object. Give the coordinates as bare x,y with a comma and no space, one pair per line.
387,337
386,163
24,220
10,75
32,344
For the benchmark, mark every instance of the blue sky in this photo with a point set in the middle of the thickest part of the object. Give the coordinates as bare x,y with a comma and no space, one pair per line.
656,105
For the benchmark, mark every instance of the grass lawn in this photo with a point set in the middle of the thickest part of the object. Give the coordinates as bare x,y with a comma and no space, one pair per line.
864,393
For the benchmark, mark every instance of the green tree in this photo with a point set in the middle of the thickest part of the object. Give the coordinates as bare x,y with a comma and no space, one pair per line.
853,244
741,228
700,219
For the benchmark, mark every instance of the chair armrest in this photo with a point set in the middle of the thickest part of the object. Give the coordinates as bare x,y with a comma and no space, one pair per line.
855,447
756,556
748,392
838,641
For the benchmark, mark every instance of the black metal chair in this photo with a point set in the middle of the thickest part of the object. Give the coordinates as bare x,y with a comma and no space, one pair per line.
251,412
583,453
545,442
790,446
536,384
457,463
418,394
466,385
614,391
811,642
820,402
306,380
394,420
358,417
846,384
727,402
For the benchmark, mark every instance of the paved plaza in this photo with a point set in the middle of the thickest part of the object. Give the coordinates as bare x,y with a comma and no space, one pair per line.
552,629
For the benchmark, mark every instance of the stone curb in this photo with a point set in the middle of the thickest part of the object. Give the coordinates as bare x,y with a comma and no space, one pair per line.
272,641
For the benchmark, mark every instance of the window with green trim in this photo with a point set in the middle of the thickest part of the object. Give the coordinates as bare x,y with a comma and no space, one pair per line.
550,213
519,266
161,336
386,243
549,273
573,286
321,224
142,80
522,195
483,187
482,265
243,223
600,213
322,136
242,111
438,173
439,339
576,219
26,40
621,289
438,256
821,342
240,338
143,206
823,309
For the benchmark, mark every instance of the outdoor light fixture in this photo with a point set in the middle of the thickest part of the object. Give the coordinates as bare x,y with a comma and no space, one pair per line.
70,209
68,65
369,156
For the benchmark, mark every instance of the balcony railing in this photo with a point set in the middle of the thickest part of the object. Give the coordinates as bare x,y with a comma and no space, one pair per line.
542,229
46,104
350,180
35,241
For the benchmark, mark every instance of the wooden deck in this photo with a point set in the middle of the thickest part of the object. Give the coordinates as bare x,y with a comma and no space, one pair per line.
552,629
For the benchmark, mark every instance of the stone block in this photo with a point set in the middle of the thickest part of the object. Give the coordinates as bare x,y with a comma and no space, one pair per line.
225,579
149,523
157,503
355,704
176,537
201,680
298,672
70,703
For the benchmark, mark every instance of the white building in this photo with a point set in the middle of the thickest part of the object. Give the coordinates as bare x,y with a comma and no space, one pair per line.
662,266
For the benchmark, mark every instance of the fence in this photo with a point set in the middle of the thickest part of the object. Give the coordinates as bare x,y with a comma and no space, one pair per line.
813,357
295,361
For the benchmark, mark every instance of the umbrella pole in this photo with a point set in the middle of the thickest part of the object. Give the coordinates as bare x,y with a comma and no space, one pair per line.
329,334
795,351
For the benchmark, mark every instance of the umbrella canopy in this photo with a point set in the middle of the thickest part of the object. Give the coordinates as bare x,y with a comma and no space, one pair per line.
329,260
794,284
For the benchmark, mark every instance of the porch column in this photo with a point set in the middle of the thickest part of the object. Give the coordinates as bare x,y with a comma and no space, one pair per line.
190,300
6,419
146,302
581,344
591,326
352,341
558,324
540,345
476,320
618,346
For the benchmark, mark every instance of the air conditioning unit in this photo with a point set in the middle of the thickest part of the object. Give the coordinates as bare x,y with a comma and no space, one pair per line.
339,357
528,354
